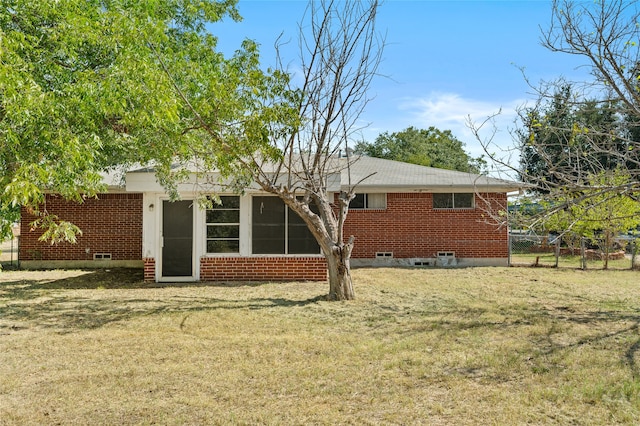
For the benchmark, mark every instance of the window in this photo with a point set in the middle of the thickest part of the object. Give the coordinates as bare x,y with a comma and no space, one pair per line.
223,226
278,230
456,200
369,201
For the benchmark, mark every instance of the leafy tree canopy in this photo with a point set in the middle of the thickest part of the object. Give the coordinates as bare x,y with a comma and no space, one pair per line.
566,140
86,85
580,133
598,214
427,147
89,84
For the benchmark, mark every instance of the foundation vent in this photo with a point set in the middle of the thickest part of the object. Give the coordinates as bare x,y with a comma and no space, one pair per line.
101,256
384,255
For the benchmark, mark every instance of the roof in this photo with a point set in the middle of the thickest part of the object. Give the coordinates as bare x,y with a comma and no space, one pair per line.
388,174
371,175
114,179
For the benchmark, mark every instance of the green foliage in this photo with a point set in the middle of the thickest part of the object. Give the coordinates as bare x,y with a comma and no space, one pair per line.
579,143
56,230
427,147
598,214
88,85
8,216
567,139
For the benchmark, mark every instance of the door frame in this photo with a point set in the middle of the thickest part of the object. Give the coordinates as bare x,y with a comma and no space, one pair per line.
195,253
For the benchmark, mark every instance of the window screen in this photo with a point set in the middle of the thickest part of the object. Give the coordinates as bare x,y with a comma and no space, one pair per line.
376,201
457,200
358,202
300,239
442,201
278,230
369,201
223,226
463,200
268,229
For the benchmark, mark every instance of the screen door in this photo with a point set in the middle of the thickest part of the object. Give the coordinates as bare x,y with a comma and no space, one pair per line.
177,233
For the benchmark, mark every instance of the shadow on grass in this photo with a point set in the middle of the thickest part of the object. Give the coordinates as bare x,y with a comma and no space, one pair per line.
115,278
561,329
83,279
70,314
45,302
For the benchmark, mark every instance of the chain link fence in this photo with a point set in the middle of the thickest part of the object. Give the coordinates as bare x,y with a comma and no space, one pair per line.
9,251
528,249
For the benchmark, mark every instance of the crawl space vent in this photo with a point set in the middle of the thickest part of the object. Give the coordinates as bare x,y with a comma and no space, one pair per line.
384,255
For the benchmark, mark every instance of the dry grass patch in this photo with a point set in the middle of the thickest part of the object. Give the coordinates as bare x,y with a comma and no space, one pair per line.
462,346
567,261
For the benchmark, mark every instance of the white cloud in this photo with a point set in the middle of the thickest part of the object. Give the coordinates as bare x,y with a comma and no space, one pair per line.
450,111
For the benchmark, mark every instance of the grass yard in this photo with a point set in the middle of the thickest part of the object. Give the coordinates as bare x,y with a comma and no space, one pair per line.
419,346
565,261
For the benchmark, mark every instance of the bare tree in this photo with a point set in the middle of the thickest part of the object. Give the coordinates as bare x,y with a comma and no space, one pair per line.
578,131
340,51
299,160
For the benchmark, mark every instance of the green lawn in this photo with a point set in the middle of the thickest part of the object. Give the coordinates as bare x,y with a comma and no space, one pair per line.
419,346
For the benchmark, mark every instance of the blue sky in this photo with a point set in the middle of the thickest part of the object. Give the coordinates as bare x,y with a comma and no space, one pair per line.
446,60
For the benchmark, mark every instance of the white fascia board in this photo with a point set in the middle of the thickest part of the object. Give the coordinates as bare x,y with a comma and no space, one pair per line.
471,188
146,182
142,182
435,189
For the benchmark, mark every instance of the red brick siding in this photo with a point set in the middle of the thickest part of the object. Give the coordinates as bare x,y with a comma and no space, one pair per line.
149,269
112,223
310,268
410,227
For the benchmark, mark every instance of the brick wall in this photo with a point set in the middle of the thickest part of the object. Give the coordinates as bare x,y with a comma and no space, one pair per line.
112,223
294,268
410,228
149,269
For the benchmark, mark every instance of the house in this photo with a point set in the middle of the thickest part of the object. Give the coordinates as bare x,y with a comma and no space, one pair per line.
404,214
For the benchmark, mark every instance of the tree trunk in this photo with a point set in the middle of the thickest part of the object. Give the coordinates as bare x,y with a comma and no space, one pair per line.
607,249
340,283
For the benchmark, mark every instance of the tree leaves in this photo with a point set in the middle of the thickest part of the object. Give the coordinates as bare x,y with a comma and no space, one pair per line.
82,89
427,147
597,210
